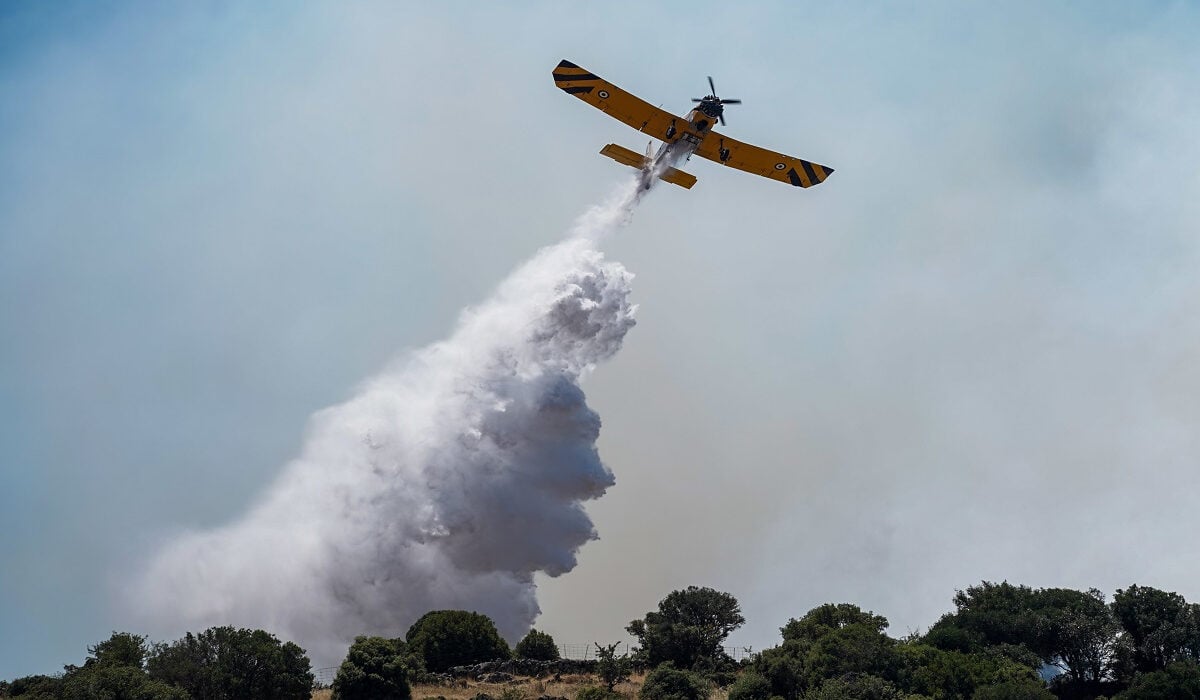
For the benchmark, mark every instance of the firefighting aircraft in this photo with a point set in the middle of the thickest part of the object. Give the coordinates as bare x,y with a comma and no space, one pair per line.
681,136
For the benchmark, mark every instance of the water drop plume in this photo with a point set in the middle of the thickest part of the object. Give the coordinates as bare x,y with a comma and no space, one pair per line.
446,482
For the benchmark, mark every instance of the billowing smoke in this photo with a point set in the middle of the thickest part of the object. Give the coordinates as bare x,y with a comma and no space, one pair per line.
447,482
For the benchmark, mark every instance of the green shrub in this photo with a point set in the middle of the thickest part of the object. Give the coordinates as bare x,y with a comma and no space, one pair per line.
611,668
750,686
374,669
855,686
1014,690
669,683
224,663
448,638
538,646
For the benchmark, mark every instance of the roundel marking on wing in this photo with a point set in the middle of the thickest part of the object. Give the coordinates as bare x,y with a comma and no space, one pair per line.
603,94
780,166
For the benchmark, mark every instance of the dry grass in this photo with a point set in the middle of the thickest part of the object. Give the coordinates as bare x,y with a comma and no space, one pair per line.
556,686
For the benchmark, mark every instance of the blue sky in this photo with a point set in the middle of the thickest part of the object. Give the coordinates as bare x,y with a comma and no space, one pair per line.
968,355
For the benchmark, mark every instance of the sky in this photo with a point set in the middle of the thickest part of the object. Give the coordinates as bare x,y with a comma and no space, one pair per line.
969,355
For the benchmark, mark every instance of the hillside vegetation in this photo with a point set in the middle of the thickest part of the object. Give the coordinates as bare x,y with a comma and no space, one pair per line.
1000,642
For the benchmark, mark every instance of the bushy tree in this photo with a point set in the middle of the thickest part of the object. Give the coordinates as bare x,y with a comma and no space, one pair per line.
1014,690
669,683
1161,626
448,638
113,670
855,686
224,663
1072,630
374,669
751,685
936,673
1179,680
538,646
611,668
116,682
826,618
35,688
688,628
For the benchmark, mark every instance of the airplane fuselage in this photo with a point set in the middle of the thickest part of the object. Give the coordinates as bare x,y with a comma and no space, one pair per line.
688,133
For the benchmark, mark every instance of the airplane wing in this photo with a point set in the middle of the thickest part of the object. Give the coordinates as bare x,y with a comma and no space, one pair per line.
760,161
614,101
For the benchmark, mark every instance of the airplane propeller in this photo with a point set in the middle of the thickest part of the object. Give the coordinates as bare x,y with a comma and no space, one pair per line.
720,101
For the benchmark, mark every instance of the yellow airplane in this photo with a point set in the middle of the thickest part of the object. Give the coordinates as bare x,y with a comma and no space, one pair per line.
681,136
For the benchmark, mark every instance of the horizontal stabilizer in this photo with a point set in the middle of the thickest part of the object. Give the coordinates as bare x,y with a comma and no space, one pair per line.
676,176
624,156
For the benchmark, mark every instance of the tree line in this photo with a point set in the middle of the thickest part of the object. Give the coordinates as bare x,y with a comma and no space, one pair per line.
1001,642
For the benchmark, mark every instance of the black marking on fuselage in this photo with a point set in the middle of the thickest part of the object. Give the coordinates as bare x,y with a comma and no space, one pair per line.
578,88
566,64
795,178
812,174
563,77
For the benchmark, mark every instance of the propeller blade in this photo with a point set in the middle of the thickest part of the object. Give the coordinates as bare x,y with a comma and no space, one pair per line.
696,99
710,84
722,118
731,102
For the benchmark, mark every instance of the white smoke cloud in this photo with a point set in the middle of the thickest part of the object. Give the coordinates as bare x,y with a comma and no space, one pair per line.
447,482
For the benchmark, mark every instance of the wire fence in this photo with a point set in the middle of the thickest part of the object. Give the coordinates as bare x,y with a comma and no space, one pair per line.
581,652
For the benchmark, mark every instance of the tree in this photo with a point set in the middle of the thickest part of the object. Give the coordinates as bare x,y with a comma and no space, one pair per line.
855,687
825,618
751,685
114,670
688,628
1162,627
449,638
1179,680
1014,690
669,683
116,682
538,646
374,669
937,673
611,668
854,649
828,642
121,649
1070,629
35,688
1076,632
224,663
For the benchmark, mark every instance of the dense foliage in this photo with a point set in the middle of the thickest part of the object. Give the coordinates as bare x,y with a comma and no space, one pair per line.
227,663
375,669
218,664
669,683
1000,642
448,638
538,646
688,629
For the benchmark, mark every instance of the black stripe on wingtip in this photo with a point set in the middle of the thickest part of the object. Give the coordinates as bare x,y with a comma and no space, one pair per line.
794,177
578,88
564,77
808,170
566,64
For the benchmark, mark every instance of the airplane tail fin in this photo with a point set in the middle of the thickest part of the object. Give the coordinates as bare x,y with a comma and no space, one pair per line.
625,156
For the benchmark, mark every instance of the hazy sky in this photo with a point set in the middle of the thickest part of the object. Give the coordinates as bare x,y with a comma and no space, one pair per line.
971,354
